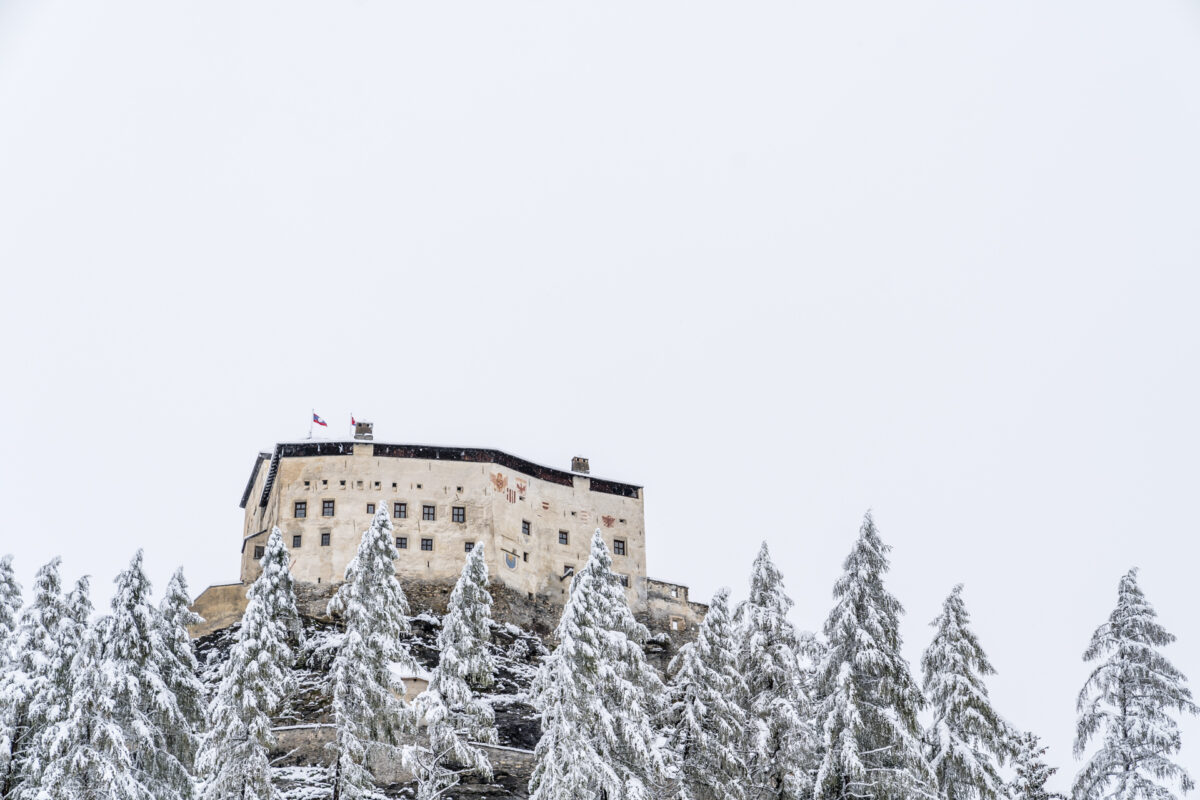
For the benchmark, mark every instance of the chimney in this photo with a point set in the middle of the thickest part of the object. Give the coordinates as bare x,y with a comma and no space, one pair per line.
364,431
579,464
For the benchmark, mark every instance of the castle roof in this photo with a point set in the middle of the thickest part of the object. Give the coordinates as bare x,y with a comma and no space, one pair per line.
308,448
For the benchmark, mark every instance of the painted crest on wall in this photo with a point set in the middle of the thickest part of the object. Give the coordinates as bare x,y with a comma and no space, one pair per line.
510,560
499,481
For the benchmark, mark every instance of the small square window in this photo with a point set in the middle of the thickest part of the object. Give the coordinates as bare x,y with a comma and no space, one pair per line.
301,509
427,544
458,489
400,510
468,546
258,552
674,592
458,514
621,520
564,537
326,508
324,539
619,547
418,486
306,484
624,580
359,484
393,486
343,483
525,556
324,482
370,508
526,528
296,541
676,623
568,570
427,513
401,542
376,484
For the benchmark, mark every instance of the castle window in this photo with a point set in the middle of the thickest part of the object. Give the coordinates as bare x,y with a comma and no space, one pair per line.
324,482
306,484
526,528
301,509
525,556
258,552
427,513
624,580
458,514
359,484
418,486
370,508
676,623
393,486
564,537
468,546
326,508
400,510
296,541
458,489
619,547
401,542
376,484
674,591
427,544
622,520
325,538
343,483
568,571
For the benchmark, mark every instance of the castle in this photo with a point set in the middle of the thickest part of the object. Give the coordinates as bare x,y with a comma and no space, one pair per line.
535,523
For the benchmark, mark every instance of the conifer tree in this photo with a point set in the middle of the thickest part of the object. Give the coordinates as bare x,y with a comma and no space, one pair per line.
366,710
89,756
870,739
779,736
1126,701
255,681
597,696
179,669
454,717
147,710
1031,772
968,740
10,604
28,677
50,707
706,721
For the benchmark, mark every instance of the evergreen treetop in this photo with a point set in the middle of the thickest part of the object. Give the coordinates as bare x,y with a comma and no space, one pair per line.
1127,701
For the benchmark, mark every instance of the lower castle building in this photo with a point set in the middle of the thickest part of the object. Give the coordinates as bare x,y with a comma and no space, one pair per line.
535,523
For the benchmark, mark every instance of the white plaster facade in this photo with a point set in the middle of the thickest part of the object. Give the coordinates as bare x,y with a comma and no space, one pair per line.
518,510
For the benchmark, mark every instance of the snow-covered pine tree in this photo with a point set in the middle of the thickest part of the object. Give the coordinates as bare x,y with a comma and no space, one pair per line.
366,710
706,721
10,603
50,706
90,759
967,740
454,717
179,669
27,677
597,697
779,740
147,711
255,681
1126,700
870,744
1031,773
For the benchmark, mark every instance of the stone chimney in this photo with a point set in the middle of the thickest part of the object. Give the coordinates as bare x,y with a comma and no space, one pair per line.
364,431
579,464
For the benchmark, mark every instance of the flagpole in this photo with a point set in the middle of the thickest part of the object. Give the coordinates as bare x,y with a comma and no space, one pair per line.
312,413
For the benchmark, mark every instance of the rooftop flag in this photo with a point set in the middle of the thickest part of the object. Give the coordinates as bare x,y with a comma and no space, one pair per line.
352,422
319,421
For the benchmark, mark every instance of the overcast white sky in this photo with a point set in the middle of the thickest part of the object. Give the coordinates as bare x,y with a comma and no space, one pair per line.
777,261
